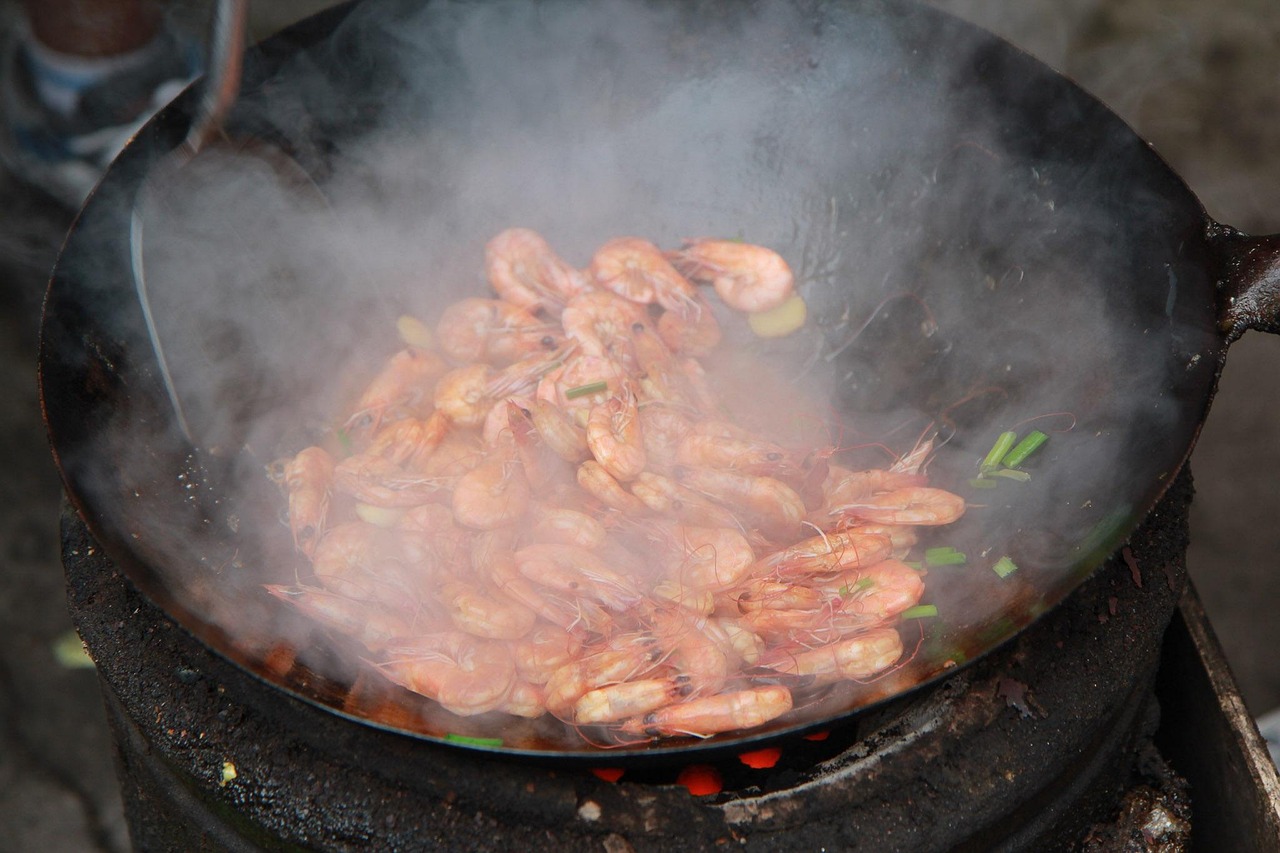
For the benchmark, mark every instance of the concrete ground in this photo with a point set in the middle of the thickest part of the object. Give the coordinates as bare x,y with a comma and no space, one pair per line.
1200,81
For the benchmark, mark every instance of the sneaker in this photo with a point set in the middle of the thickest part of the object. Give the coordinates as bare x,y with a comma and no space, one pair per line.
65,155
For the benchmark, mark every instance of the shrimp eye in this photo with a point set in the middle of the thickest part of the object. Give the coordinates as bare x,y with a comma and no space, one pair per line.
637,327
773,457
547,342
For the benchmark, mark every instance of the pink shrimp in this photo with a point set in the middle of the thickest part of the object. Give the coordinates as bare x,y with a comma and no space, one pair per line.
390,472
723,712
485,612
527,272
825,554
581,382
712,557
858,657
766,503
372,626
637,270
558,431
616,702
465,674
627,659
367,563
614,435
308,479
601,322
467,394
691,329
403,387
880,591
543,650
918,505
602,486
577,572
494,331
748,278
665,496
493,494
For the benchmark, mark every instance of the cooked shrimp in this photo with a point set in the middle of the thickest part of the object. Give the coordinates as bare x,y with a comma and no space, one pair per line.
881,591
577,572
843,486
543,650
748,278
403,387
630,658
664,495
601,322
308,479
917,505
363,562
724,712
602,486
627,699
691,651
485,612
527,272
581,382
825,554
558,431
767,503
563,526
749,455
858,657
524,700
637,270
465,674
372,626
692,329
614,436
494,331
663,428
491,495
712,557
390,472
465,395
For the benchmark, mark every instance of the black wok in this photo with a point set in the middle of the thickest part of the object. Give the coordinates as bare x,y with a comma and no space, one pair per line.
982,246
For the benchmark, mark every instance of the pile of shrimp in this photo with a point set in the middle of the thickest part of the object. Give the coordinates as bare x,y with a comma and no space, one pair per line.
542,508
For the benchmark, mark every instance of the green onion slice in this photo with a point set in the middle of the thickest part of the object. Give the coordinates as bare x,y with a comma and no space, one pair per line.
944,556
1030,444
1004,567
1009,474
981,483
920,611
586,390
474,741
1002,446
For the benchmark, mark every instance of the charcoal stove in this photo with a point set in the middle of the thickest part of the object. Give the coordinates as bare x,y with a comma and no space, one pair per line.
1026,750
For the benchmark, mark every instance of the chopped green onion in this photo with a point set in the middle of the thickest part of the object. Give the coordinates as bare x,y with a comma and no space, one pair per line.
980,483
1024,448
1009,474
944,556
863,583
920,611
1002,446
344,441
913,564
474,741
1004,567
586,390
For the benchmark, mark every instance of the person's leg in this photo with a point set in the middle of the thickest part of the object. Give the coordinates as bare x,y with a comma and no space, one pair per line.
78,78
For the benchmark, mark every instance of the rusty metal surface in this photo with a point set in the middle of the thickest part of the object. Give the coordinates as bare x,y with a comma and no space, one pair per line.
1211,737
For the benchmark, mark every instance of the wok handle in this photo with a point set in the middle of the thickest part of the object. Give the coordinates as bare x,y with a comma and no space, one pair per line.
1248,281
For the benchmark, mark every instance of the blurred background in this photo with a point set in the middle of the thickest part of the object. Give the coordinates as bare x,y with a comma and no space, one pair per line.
1199,81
